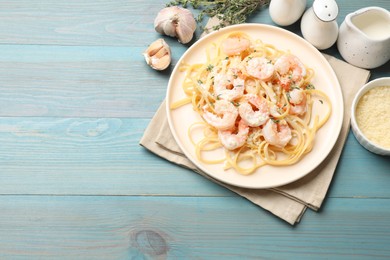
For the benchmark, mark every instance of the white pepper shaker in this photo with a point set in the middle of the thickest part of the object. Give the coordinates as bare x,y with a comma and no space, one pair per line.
286,12
319,25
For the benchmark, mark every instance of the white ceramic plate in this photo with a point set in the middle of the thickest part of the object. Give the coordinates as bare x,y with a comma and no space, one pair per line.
268,176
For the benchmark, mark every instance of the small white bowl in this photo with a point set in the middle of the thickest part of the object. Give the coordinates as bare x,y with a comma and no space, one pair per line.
363,140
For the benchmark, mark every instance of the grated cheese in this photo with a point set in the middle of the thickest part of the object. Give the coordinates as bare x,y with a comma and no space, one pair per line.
373,115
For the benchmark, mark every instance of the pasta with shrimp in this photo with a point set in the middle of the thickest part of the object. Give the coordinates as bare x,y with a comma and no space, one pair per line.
256,103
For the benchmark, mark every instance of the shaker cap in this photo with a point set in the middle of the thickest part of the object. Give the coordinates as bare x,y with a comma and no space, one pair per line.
326,10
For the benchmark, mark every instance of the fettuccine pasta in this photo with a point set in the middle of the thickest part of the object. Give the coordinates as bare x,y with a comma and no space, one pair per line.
256,103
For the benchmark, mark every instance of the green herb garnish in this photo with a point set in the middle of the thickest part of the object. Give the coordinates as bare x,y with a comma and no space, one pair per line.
288,96
310,86
235,103
227,11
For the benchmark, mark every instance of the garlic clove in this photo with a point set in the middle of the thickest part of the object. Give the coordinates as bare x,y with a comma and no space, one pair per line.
162,63
177,22
185,31
158,55
163,22
168,28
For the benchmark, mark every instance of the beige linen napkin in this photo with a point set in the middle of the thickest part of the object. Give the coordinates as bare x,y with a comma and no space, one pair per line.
288,202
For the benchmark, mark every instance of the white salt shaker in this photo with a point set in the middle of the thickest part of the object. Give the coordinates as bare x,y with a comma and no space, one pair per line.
286,12
319,25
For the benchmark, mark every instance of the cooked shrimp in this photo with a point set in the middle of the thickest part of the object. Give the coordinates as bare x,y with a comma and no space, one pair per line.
226,115
235,45
251,117
297,102
250,86
277,134
228,89
260,68
290,69
232,141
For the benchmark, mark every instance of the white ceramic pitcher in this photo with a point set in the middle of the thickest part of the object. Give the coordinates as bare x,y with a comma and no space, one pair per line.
364,37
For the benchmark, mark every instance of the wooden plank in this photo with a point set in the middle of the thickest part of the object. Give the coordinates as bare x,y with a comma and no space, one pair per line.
78,82
40,227
88,156
360,173
68,81
108,22
89,81
101,156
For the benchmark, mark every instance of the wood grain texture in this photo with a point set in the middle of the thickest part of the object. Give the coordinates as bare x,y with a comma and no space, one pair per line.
69,81
78,82
88,156
111,22
109,78
101,156
203,228
75,98
100,23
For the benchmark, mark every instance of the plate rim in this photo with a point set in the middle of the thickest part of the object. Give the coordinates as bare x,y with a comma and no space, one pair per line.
324,61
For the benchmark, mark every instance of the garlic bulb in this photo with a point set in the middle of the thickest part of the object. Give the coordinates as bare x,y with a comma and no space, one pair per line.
177,22
158,55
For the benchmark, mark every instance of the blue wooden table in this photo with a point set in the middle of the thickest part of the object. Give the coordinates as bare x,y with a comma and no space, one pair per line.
75,98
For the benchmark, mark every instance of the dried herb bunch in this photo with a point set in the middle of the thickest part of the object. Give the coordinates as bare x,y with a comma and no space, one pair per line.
227,11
